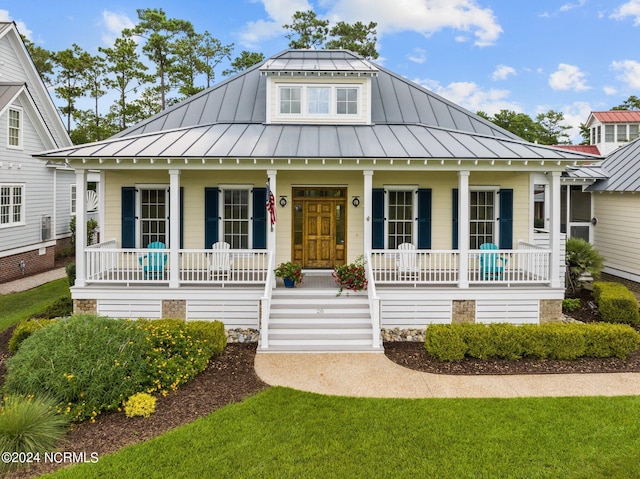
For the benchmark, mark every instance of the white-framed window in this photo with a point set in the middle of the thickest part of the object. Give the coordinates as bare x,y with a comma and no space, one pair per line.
482,217
11,204
153,215
621,133
72,199
539,206
14,128
609,133
633,132
400,216
236,216
319,101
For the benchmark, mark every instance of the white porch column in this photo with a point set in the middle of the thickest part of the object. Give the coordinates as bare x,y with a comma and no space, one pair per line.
554,229
463,229
174,228
81,227
271,229
368,209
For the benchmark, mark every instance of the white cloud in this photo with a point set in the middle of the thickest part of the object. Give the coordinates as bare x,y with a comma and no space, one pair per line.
22,27
422,16
502,72
418,55
114,23
609,90
568,77
629,72
473,97
629,9
570,6
575,114
279,13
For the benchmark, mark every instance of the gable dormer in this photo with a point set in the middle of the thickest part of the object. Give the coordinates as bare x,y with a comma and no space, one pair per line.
312,86
609,130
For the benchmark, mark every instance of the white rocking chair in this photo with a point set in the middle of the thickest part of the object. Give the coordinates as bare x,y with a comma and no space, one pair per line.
407,261
220,261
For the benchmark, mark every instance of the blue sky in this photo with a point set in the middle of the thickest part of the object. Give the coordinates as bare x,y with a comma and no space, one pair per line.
573,56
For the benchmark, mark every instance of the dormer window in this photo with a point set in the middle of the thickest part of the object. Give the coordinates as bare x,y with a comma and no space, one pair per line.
319,102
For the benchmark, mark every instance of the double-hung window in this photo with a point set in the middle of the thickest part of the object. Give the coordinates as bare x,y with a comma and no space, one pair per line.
236,217
482,218
400,214
11,205
14,128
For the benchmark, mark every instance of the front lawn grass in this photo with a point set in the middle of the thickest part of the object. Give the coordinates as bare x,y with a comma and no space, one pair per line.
16,307
282,433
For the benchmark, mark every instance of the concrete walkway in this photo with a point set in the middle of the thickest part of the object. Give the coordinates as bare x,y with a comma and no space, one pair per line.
373,375
33,281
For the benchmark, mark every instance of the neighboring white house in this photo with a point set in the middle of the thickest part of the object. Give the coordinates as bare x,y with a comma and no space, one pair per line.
609,130
360,161
36,198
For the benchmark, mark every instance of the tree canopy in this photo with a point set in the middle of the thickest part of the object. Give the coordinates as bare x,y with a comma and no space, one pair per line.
546,129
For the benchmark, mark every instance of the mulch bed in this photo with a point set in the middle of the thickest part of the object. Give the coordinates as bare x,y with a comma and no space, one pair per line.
231,378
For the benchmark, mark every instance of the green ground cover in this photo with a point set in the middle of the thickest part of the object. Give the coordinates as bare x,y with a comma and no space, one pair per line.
282,433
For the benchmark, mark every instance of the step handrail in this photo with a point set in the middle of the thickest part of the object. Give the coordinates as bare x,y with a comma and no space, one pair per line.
374,300
265,302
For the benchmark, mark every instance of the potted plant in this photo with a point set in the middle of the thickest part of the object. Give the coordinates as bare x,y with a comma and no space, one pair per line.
291,273
351,276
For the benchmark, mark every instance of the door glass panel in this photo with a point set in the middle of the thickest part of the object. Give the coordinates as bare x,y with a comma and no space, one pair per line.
339,224
581,232
297,223
580,205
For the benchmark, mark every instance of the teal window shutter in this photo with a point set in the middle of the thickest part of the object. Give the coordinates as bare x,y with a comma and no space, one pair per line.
506,218
259,218
377,224
128,217
424,218
211,218
454,215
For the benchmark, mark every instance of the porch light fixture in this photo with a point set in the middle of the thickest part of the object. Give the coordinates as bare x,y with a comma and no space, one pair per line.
283,201
355,201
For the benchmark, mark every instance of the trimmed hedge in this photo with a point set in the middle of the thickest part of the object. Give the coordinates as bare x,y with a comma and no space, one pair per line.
453,342
616,303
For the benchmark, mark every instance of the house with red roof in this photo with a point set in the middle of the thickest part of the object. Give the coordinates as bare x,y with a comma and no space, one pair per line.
609,130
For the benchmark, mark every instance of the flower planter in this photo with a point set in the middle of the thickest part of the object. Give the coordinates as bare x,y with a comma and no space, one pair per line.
288,282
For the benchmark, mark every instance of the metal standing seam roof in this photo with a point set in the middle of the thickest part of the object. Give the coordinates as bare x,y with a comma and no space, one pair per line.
617,116
623,166
228,120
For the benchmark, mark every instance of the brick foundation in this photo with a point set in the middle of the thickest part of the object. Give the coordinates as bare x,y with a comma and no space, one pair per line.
174,308
550,310
86,306
463,311
34,263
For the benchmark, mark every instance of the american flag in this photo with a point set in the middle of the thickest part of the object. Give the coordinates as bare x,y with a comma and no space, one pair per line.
271,206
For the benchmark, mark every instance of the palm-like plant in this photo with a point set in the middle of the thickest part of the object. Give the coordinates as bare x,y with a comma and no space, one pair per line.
582,258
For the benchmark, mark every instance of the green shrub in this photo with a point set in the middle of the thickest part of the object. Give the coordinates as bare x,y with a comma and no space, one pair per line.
176,355
616,303
582,258
570,304
445,342
452,342
140,404
71,273
24,330
211,333
88,364
29,424
60,308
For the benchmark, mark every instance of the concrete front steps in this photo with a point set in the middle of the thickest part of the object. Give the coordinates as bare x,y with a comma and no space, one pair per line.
319,321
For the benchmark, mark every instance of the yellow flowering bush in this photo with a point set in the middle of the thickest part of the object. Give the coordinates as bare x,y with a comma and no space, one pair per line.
140,404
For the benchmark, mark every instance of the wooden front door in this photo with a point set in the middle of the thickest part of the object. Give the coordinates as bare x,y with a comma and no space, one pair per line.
319,227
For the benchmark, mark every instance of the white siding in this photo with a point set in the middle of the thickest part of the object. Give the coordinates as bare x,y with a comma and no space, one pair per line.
507,311
130,308
414,313
234,313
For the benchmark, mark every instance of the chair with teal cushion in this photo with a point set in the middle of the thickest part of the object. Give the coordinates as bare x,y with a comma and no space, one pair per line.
491,263
154,263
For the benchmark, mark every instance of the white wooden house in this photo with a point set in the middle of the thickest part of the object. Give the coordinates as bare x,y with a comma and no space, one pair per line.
36,197
360,161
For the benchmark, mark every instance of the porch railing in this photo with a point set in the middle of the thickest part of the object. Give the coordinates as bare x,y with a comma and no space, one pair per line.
374,301
528,264
107,264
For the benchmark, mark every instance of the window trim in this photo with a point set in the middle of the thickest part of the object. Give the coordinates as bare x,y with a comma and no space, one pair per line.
73,199
413,189
139,219
333,102
496,211
20,128
221,204
22,221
